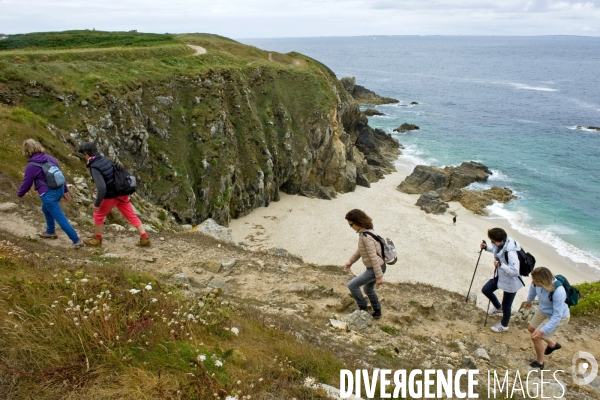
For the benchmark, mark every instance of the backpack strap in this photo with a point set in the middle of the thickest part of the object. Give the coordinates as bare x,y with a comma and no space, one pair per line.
557,284
374,236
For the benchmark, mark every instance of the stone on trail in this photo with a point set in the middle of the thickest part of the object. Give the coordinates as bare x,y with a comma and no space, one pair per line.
214,230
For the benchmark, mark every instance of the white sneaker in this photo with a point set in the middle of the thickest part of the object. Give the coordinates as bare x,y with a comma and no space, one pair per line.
499,328
495,311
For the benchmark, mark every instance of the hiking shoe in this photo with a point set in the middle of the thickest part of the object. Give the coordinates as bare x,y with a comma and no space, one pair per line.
45,235
499,328
549,349
535,364
376,314
77,246
495,311
93,242
144,242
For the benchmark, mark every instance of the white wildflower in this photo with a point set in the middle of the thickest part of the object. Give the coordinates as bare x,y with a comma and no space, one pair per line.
201,358
85,280
154,300
148,287
218,363
235,330
134,291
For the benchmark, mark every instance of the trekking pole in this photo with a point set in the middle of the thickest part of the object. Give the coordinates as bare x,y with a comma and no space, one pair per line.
474,272
489,301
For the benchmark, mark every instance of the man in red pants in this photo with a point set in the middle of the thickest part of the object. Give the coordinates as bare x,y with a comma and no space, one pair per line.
102,171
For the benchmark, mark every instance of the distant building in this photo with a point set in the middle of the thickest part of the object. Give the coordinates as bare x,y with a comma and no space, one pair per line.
3,36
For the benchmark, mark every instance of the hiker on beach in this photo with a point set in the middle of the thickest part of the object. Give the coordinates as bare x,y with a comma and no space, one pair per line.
552,313
368,249
34,174
102,171
506,275
454,220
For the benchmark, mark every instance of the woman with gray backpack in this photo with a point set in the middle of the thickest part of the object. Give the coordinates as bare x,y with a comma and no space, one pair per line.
369,249
43,171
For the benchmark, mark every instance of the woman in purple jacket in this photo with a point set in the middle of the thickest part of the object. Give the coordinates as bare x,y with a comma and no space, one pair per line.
50,197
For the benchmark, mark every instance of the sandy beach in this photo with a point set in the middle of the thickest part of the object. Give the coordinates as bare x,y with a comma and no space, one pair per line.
431,249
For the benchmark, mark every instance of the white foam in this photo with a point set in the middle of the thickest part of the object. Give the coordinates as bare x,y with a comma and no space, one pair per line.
498,176
582,128
410,158
518,221
523,86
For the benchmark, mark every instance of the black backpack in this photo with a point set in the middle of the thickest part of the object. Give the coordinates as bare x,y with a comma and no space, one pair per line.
526,262
572,293
54,176
125,183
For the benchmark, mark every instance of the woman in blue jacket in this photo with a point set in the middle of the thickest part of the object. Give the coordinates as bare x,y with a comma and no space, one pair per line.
553,312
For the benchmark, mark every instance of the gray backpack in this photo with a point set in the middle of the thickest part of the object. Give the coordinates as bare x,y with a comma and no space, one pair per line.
388,250
54,176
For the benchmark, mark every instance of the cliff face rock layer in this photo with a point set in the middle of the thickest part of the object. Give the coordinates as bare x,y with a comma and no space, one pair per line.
209,137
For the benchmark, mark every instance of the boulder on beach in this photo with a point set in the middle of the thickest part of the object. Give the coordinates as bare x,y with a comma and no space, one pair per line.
405,127
477,201
430,202
426,178
594,128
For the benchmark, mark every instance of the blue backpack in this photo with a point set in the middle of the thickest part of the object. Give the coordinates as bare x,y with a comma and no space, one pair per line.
54,176
572,293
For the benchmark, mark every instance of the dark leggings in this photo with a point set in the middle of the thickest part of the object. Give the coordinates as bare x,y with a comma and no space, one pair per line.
507,300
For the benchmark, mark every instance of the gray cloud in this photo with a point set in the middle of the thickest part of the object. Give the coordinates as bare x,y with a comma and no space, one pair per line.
274,18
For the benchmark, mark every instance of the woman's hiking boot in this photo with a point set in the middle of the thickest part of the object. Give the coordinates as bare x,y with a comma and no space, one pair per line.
144,242
45,235
376,313
93,242
495,311
549,349
499,328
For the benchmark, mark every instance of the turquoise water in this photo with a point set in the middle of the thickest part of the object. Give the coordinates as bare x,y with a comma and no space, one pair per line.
511,103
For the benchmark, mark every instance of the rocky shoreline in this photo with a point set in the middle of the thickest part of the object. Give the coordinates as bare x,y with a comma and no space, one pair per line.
438,186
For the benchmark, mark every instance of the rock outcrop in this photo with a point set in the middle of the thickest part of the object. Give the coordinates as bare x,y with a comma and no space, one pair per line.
476,201
369,112
426,178
363,95
430,202
223,141
405,127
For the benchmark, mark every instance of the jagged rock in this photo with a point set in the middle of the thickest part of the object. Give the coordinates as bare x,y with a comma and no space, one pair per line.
304,289
369,112
449,194
414,103
481,353
468,362
218,283
430,202
181,278
8,207
595,128
186,227
211,228
341,325
281,253
229,264
211,266
363,95
358,320
478,201
426,178
117,227
109,255
344,303
405,127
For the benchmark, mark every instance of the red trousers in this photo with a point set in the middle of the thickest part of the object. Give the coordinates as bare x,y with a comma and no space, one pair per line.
124,206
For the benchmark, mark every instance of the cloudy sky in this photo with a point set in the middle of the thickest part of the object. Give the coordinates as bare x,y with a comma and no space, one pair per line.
241,19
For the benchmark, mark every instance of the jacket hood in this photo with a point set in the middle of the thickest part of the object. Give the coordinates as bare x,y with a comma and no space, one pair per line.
39,158
510,245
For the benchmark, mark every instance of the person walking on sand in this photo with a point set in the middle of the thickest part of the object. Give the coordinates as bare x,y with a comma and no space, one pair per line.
368,248
102,171
552,313
454,220
506,275
34,173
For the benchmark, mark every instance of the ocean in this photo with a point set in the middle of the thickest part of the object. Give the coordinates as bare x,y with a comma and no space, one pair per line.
511,103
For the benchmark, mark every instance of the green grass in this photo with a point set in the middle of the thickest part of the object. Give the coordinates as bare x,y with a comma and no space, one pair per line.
83,39
589,301
105,331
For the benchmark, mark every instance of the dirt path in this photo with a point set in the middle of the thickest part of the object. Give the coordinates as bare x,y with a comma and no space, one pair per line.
423,326
199,50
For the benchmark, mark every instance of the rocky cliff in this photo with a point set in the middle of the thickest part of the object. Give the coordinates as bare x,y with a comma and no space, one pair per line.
211,136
